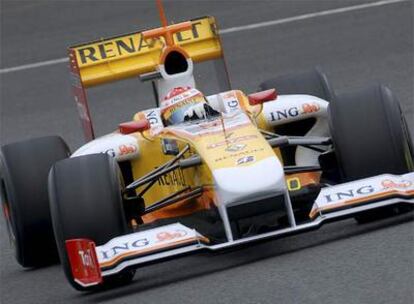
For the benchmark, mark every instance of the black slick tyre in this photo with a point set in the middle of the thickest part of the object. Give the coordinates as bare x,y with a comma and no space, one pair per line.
85,202
370,137
24,169
313,82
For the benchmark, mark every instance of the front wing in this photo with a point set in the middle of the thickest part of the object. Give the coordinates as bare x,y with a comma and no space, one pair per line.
89,263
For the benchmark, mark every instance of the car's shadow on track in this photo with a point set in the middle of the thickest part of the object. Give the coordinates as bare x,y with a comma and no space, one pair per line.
203,264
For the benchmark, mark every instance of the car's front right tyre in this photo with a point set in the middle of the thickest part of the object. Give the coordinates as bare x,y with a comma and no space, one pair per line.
370,137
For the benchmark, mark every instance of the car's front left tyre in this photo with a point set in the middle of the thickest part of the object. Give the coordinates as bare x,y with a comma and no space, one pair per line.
86,202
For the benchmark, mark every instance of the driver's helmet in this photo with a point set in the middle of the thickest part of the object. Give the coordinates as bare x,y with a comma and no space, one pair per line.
177,102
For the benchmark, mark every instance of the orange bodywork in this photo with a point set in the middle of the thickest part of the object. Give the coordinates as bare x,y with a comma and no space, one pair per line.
183,208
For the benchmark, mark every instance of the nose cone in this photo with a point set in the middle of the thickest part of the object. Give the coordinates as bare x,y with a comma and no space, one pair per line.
246,182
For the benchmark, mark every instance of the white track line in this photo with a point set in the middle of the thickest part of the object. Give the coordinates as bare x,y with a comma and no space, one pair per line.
33,65
308,16
232,30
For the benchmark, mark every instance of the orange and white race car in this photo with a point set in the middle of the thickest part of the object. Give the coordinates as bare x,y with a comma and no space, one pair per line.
196,172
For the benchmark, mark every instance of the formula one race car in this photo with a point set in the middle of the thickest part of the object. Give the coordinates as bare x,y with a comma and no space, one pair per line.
199,172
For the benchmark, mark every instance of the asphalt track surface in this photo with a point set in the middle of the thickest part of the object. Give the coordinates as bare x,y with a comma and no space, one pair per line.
340,263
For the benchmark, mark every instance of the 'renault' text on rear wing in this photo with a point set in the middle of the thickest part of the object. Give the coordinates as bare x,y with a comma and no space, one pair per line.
131,55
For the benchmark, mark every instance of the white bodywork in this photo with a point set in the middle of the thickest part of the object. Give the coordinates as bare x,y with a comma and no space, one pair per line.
142,242
284,109
121,147
363,190
290,108
169,82
265,177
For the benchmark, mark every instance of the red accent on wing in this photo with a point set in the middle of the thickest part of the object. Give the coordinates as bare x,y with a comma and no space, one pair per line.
134,126
261,97
83,262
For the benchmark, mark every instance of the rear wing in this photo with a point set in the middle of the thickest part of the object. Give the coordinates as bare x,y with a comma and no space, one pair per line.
131,55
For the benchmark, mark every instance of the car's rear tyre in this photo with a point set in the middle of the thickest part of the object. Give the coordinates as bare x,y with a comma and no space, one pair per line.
85,202
313,82
370,137
24,169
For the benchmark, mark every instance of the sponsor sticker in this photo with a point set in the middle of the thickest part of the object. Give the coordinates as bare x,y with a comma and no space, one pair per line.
292,112
238,155
127,149
230,101
154,118
390,184
235,147
174,108
135,43
245,160
179,94
168,236
364,190
231,141
83,261
146,242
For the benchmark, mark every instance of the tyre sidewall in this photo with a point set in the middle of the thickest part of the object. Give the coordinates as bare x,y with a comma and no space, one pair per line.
24,169
367,129
104,165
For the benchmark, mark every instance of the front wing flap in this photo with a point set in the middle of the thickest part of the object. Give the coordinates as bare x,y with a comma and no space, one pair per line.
364,191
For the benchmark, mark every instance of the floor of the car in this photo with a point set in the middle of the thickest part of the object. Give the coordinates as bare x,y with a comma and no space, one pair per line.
209,224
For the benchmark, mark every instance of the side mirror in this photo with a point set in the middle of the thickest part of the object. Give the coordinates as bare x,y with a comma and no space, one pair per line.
261,97
134,126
